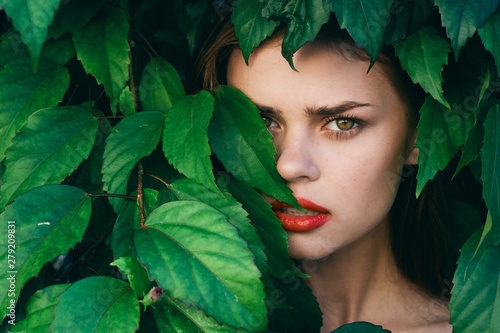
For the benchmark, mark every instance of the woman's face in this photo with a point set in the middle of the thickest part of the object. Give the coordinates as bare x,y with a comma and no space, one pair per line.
340,137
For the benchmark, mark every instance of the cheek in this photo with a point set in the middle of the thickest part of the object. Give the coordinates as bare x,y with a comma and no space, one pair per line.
366,178
385,156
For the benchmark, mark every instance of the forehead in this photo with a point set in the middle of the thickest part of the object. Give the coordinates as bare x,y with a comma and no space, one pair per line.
323,75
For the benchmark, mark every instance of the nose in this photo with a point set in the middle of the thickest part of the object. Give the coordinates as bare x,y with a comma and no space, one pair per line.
296,159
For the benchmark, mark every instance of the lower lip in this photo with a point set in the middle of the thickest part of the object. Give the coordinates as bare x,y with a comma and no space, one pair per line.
303,223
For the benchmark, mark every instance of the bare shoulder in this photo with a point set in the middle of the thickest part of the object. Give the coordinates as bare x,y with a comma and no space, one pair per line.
417,313
438,327
431,320
431,316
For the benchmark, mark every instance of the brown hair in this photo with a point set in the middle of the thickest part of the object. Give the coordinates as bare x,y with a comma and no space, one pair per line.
211,69
420,241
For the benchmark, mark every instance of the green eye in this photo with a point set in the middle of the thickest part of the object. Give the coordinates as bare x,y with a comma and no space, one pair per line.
267,121
345,124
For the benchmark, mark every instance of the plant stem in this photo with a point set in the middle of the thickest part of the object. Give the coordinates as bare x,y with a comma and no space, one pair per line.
99,97
155,54
158,178
113,196
109,117
140,193
133,89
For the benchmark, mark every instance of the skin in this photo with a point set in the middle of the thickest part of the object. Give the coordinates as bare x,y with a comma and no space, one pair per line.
341,141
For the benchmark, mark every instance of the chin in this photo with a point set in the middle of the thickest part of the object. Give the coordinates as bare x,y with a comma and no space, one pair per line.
307,251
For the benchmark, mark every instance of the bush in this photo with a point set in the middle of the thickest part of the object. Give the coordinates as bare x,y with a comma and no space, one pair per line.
89,89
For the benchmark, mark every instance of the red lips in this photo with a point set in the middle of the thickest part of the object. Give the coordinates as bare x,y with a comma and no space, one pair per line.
301,223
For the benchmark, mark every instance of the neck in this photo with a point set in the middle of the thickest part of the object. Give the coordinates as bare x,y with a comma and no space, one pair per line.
357,282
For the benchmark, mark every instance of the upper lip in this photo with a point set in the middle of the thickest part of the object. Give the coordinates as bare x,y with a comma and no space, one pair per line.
303,202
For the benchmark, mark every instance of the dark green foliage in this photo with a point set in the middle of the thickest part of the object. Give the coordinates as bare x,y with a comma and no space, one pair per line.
423,54
475,303
250,26
365,20
23,92
304,18
160,86
31,19
66,129
461,19
132,139
39,309
136,199
110,305
185,130
102,48
359,327
242,143
490,35
50,220
216,273
490,154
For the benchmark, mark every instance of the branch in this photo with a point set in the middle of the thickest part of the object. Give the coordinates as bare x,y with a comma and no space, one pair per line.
158,178
140,193
112,196
133,89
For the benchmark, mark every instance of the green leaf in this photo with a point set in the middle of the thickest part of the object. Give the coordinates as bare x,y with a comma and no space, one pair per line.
102,47
132,139
49,220
304,19
185,189
2,171
73,15
475,168
88,175
22,92
302,313
59,51
366,21
268,228
109,305
160,86
31,19
462,17
244,145
472,147
490,155
53,51
12,49
126,102
475,301
433,151
466,220
185,139
406,17
441,131
198,257
423,55
250,27
50,146
467,263
39,309
199,13
129,219
486,235
136,274
360,327
174,316
190,190
490,35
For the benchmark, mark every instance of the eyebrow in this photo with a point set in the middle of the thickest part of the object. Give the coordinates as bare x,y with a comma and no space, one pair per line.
318,111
